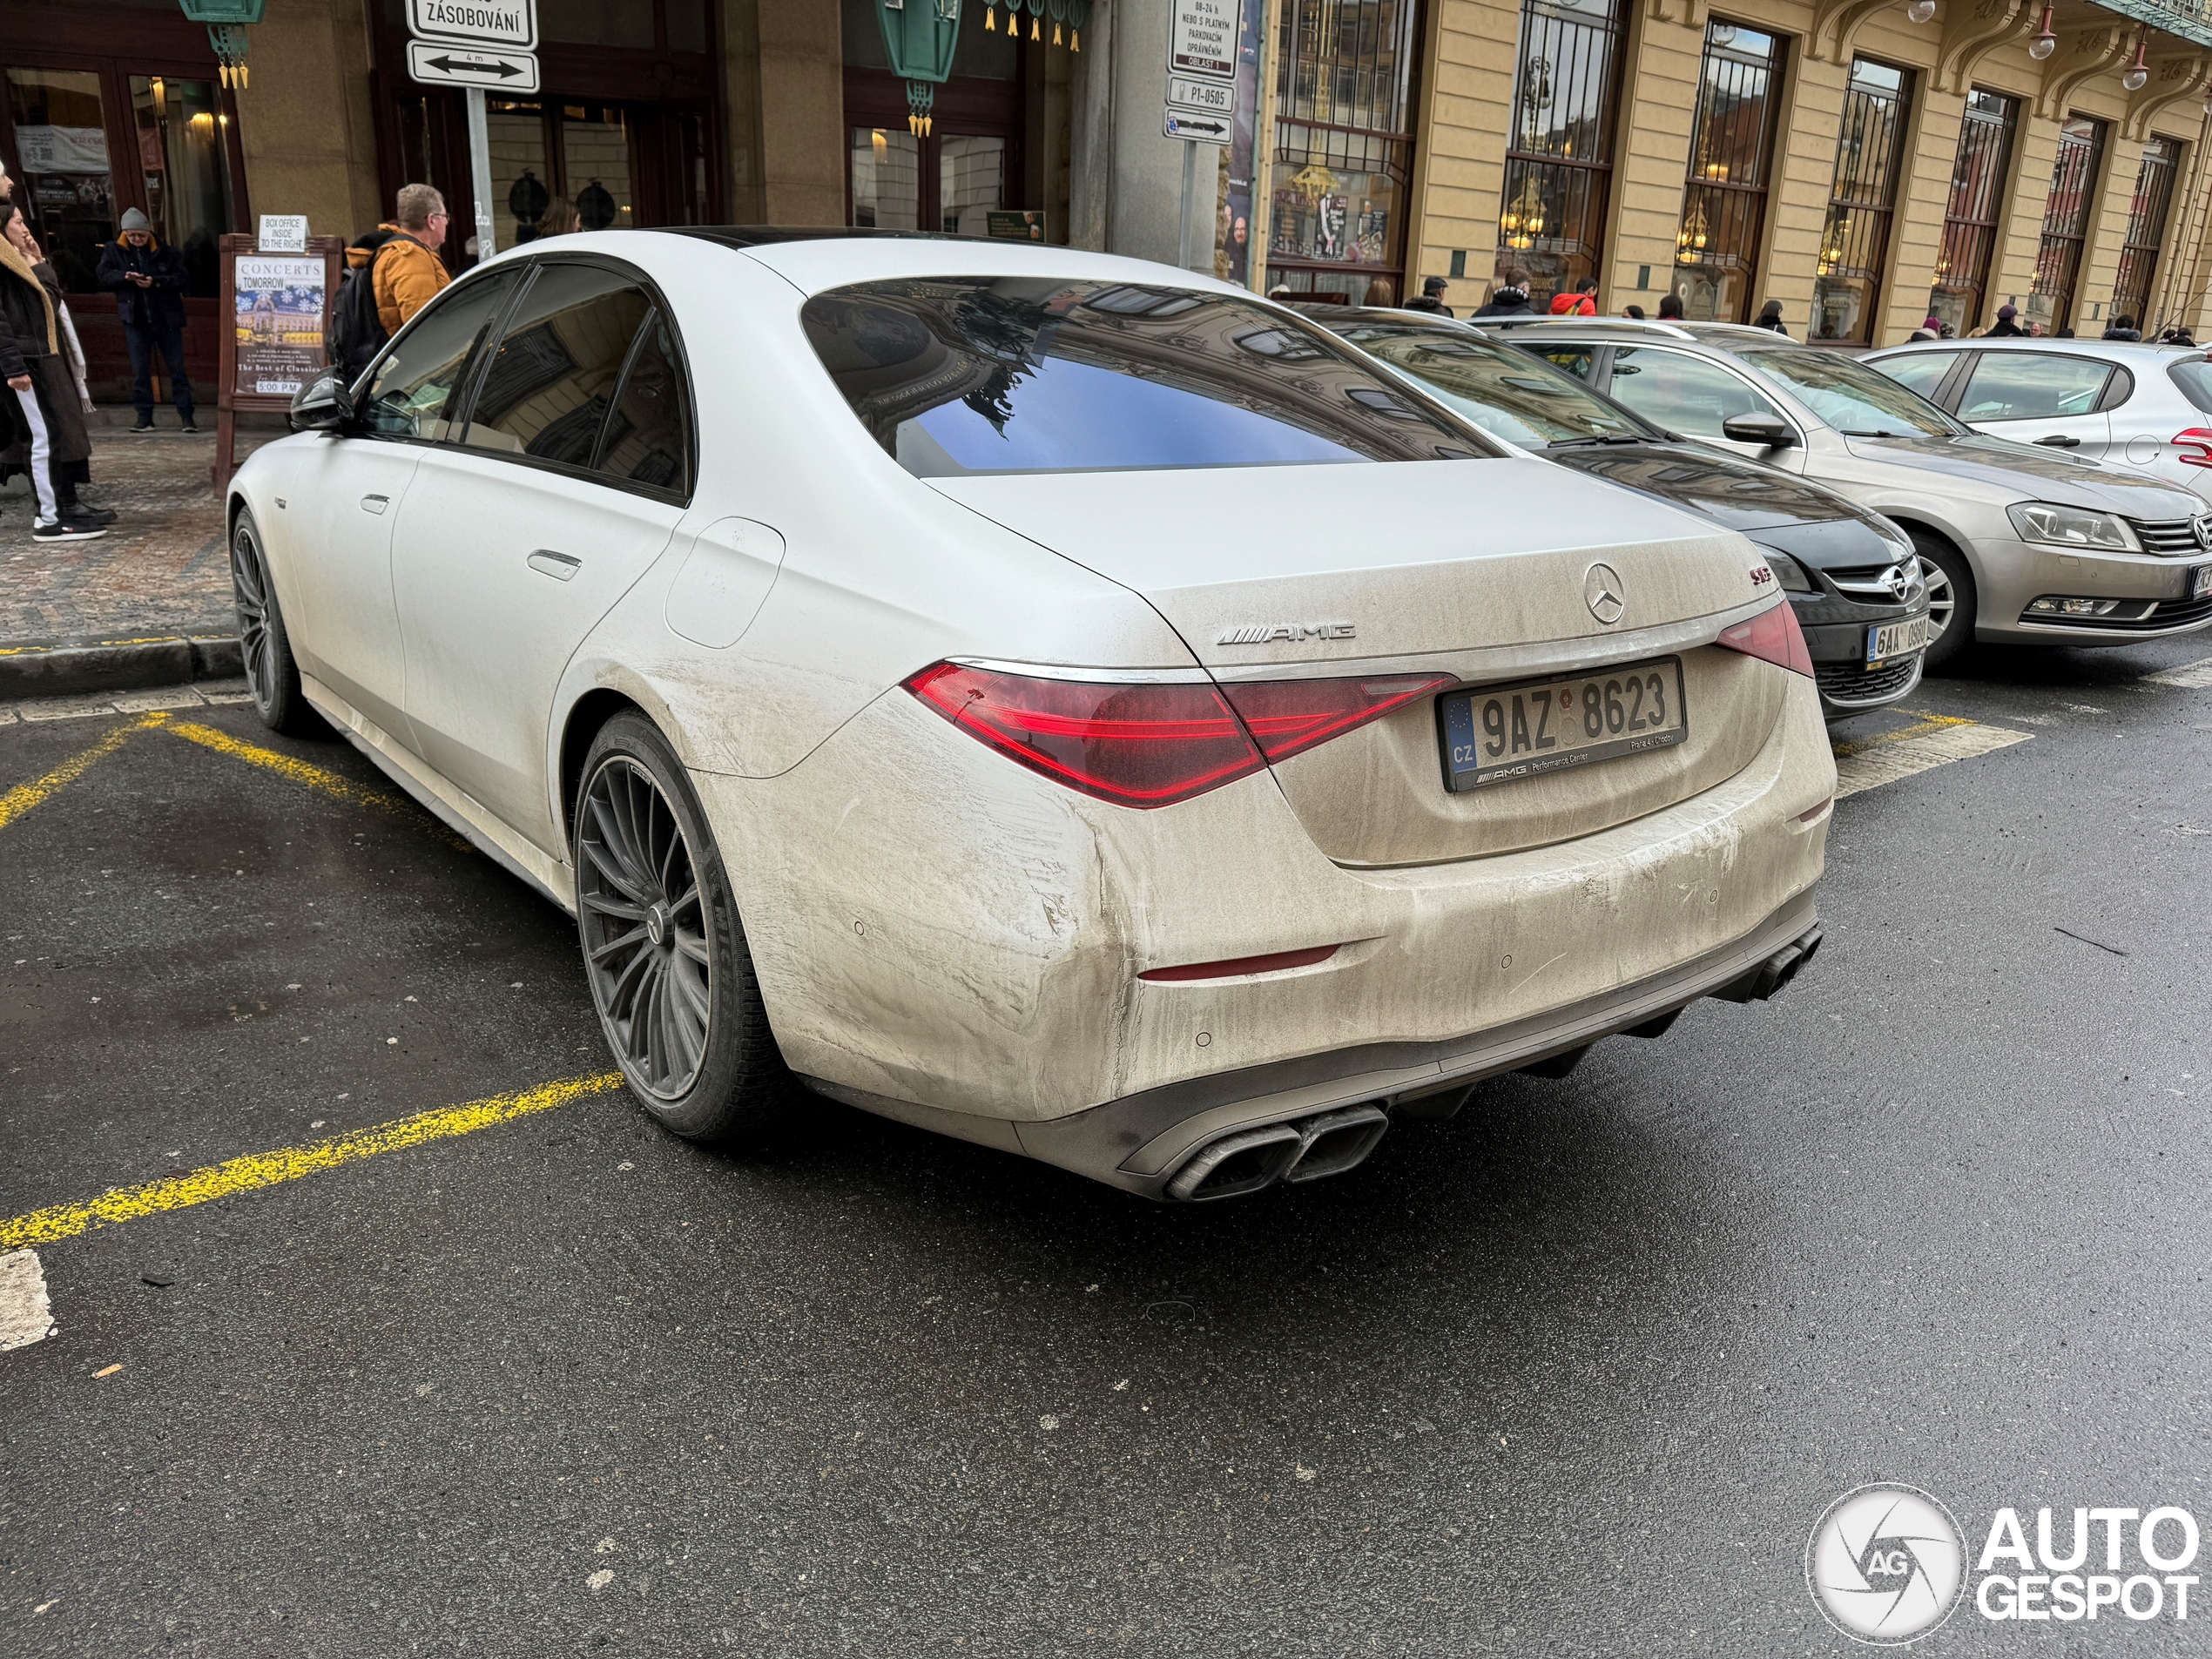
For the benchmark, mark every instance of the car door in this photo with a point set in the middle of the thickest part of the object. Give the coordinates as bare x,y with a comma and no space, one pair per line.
2051,398
349,488
522,528
1697,397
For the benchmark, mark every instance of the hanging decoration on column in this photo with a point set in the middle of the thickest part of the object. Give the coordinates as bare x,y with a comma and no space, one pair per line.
920,37
226,22
1075,14
1036,16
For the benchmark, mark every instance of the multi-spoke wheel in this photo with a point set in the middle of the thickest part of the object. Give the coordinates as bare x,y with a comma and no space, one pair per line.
663,946
1951,598
271,674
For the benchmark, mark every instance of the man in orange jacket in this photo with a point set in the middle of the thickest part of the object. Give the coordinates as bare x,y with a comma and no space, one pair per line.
406,270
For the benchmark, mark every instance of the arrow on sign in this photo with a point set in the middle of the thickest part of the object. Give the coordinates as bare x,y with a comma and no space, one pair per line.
1184,122
498,66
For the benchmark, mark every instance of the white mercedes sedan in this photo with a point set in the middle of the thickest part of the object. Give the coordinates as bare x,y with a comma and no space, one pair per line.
1056,700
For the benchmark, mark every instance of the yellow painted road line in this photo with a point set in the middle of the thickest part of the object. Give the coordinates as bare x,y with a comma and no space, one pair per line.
313,777
288,1164
1938,741
2189,676
24,796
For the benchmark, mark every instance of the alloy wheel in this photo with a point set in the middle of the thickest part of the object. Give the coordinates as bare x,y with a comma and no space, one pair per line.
1943,599
644,922
250,583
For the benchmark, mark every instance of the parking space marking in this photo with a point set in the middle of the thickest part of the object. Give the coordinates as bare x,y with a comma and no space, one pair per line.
2189,676
312,777
20,799
1937,741
26,1315
259,1169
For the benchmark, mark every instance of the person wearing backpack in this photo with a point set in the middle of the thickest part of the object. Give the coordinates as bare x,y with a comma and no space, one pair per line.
1581,303
391,273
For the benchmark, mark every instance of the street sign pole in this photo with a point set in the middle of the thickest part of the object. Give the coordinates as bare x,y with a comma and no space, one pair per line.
1189,191
1201,104
480,170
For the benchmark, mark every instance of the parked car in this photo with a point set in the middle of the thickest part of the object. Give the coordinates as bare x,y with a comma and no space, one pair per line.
2028,544
1852,578
2146,408
1053,699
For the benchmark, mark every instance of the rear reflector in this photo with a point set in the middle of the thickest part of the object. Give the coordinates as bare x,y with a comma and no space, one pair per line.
1288,716
1235,965
1133,743
1772,637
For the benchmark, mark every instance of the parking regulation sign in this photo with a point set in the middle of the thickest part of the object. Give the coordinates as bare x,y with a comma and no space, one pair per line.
1202,38
511,24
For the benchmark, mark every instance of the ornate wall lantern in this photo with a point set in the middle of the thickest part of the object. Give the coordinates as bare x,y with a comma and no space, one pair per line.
226,22
920,37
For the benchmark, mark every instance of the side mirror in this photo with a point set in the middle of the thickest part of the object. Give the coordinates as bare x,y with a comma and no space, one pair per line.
1770,431
322,405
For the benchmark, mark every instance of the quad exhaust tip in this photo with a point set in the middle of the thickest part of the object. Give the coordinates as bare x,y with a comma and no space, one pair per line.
1305,1150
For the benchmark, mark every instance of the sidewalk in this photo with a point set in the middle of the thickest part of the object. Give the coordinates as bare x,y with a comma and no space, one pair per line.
125,603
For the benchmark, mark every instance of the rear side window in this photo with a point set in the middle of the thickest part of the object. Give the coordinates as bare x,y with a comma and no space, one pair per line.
1682,392
1921,370
955,376
2194,377
2032,386
649,430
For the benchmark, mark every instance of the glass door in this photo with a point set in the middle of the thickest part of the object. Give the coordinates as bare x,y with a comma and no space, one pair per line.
67,189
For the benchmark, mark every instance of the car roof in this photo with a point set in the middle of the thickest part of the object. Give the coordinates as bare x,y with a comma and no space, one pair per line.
1333,317
2112,351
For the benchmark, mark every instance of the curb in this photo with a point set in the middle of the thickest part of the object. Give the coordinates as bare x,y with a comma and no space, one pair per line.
116,664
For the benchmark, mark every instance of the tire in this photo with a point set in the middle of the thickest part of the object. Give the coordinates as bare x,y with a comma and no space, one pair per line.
664,950
1950,585
271,673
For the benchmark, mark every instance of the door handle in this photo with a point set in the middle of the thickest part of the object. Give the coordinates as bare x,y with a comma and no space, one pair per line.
376,503
2058,441
559,566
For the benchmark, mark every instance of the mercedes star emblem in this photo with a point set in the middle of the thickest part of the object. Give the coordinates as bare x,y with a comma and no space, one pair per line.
1602,591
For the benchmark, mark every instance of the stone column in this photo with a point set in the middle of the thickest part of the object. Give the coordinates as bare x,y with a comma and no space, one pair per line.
305,123
1651,155
1459,167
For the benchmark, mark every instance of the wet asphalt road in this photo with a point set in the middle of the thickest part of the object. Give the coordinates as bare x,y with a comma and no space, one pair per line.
1574,1375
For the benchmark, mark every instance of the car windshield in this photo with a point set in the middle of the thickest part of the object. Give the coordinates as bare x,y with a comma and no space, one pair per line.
955,376
1506,392
1858,402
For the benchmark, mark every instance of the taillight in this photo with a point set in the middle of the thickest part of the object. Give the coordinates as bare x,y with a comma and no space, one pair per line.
2196,446
1134,744
1139,743
1772,637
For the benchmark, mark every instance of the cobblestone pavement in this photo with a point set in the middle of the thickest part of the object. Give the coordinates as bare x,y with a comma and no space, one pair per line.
159,571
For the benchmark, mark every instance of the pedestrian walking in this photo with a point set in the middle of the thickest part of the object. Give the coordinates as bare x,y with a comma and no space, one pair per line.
148,282
1583,302
42,428
1769,317
2007,323
391,273
1432,297
1510,298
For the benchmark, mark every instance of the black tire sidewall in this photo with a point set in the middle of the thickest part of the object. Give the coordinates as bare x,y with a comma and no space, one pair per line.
741,1082
1963,609
286,710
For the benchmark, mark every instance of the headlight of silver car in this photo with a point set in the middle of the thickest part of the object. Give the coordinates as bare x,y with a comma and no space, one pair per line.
2055,526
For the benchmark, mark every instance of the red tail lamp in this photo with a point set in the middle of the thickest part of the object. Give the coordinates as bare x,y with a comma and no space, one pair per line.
1772,637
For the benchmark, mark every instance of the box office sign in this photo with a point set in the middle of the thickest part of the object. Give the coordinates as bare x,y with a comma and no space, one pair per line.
278,316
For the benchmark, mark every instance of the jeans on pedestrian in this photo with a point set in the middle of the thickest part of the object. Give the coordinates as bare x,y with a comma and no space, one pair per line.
170,342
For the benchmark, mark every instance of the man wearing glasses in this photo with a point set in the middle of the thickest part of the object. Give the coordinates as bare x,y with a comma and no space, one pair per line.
406,270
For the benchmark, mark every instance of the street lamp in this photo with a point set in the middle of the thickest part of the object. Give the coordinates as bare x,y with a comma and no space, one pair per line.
1919,11
2046,39
2138,71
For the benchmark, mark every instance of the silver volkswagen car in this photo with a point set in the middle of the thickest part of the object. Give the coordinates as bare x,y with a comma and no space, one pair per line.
2145,409
2020,544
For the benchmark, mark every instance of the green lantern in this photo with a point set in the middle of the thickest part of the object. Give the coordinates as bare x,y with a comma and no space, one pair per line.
226,22
920,36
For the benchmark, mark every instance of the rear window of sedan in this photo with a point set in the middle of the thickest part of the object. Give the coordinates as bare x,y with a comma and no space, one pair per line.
958,375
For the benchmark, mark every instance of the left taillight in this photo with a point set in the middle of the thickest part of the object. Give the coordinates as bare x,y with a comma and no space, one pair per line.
1772,637
1147,744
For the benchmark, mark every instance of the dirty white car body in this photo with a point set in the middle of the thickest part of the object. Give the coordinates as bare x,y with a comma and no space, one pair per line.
1187,999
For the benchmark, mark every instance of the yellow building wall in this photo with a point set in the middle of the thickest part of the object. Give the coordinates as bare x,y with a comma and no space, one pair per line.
1459,163
305,121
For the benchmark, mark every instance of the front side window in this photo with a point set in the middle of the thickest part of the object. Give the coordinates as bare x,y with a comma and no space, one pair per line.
547,391
2032,386
1860,402
1847,285
1682,392
986,375
1503,391
1578,360
407,394
1559,145
1723,209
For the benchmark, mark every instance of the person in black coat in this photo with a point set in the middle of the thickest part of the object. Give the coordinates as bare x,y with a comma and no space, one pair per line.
1508,298
148,282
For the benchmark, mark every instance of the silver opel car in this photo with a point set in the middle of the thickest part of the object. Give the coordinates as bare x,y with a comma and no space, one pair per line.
2019,542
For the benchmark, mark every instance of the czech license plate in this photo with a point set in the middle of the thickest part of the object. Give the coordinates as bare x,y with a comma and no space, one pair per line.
1496,733
2201,582
1897,639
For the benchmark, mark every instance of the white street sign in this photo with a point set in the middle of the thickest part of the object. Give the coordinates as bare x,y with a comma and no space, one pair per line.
476,23
1196,129
435,63
1207,97
1202,38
